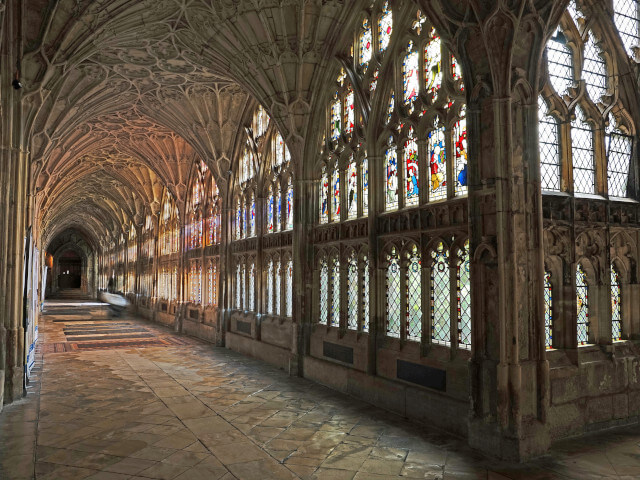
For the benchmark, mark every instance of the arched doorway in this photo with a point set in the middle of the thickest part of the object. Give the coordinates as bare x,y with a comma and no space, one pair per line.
69,270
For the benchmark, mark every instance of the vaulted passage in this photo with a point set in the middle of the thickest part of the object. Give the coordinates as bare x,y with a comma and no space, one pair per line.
429,205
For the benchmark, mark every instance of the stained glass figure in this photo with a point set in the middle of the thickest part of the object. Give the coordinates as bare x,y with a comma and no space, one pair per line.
582,303
433,63
289,288
548,311
410,68
335,207
324,291
559,62
594,69
619,148
336,123
324,196
289,205
238,220
352,292
437,161
391,107
616,305
252,218
414,296
582,151
365,186
352,189
460,145
279,150
440,296
365,295
374,82
463,287
261,121
412,193
335,292
244,221
270,212
626,16
391,162
349,111
393,294
456,72
278,210
549,148
366,48
385,27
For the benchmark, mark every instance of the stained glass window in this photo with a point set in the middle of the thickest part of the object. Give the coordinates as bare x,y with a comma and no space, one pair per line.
460,146
618,146
437,161
582,303
324,196
412,193
252,217
365,186
277,220
440,296
335,291
270,287
289,288
352,189
252,286
594,69
261,121
279,150
433,63
238,220
391,107
626,16
549,148
411,83
391,162
352,292
335,207
270,212
289,205
238,286
414,296
393,294
374,82
616,305
336,125
349,111
278,289
324,291
243,285
463,286
559,62
365,295
548,310
366,49
244,221
210,282
385,27
456,72
582,152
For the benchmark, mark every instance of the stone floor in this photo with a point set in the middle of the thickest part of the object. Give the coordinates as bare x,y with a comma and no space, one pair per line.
125,399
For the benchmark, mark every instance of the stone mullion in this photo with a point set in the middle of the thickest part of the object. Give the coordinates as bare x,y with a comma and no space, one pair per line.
403,296
377,316
604,321
425,298
453,300
423,169
566,160
600,160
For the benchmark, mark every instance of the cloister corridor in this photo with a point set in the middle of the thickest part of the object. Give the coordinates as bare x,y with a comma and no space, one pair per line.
122,398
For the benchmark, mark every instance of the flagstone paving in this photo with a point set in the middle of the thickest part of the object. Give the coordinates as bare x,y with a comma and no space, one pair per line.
183,409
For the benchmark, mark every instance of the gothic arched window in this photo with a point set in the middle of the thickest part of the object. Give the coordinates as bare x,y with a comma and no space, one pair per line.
463,297
582,304
393,294
440,295
548,310
616,305
626,16
414,295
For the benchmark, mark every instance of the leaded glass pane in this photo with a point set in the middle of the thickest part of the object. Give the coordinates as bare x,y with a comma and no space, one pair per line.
238,220
582,152
324,197
324,291
463,285
559,62
460,146
616,305
412,193
289,288
278,289
349,112
549,148
336,123
594,70
244,221
280,148
365,295
335,207
385,26
618,147
437,161
210,283
391,161
410,81
238,286
243,285
252,218
352,289
548,311
582,303
456,72
414,296
365,186
433,63
440,297
270,212
335,292
252,286
391,107
366,49
289,205
352,189
393,294
277,220
627,19
270,287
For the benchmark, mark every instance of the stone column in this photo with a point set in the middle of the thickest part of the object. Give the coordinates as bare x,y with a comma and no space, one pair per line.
500,45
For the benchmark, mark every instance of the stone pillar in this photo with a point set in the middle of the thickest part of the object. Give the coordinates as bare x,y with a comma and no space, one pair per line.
500,46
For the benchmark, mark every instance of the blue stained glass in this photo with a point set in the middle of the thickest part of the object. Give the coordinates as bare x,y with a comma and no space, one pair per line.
278,218
289,206
392,178
324,197
253,216
336,195
438,163
411,163
270,212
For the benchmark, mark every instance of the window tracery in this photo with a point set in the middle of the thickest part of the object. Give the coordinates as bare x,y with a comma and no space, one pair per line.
616,305
582,303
